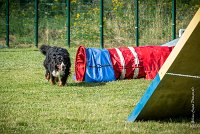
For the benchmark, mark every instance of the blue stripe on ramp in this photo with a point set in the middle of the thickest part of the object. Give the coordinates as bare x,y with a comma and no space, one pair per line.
133,116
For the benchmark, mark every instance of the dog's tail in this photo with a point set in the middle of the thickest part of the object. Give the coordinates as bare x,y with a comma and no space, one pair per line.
44,49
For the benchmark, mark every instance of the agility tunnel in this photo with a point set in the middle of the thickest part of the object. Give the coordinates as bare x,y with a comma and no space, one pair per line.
103,65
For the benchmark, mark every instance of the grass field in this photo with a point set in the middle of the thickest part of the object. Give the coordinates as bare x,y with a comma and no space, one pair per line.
29,104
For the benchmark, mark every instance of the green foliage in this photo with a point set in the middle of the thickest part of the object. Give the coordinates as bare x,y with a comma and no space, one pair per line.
119,21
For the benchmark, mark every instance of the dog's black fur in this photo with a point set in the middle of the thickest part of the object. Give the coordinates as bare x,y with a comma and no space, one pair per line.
57,64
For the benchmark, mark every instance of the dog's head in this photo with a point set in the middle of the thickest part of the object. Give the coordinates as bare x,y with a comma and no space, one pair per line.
59,70
60,66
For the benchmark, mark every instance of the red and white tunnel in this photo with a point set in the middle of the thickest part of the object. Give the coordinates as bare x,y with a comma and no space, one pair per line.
103,65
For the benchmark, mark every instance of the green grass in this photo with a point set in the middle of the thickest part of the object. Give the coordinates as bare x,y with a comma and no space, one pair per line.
29,104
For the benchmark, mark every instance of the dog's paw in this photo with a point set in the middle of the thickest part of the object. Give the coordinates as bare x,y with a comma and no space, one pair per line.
60,84
52,82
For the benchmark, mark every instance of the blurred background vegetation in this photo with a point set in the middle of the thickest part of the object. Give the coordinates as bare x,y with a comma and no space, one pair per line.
155,23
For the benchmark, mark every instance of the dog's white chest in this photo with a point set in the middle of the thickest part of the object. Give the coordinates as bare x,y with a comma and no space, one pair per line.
57,73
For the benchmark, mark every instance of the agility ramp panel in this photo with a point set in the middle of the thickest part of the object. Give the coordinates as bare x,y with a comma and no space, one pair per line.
175,91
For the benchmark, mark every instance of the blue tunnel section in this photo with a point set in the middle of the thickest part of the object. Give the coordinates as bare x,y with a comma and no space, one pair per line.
98,66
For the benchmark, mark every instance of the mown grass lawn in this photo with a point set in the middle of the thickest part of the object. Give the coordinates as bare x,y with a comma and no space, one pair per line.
29,104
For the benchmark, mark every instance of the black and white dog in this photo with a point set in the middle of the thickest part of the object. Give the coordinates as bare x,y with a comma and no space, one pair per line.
57,64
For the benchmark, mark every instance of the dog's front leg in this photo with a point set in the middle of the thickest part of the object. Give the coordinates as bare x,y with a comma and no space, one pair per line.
62,81
52,79
47,75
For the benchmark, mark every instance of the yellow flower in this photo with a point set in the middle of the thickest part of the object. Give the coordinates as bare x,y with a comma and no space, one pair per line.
78,16
95,9
117,4
73,1
197,6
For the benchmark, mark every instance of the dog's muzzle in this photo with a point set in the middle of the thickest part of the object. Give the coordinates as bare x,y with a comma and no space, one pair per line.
60,70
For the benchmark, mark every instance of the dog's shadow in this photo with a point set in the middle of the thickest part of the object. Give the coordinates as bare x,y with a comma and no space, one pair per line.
86,84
